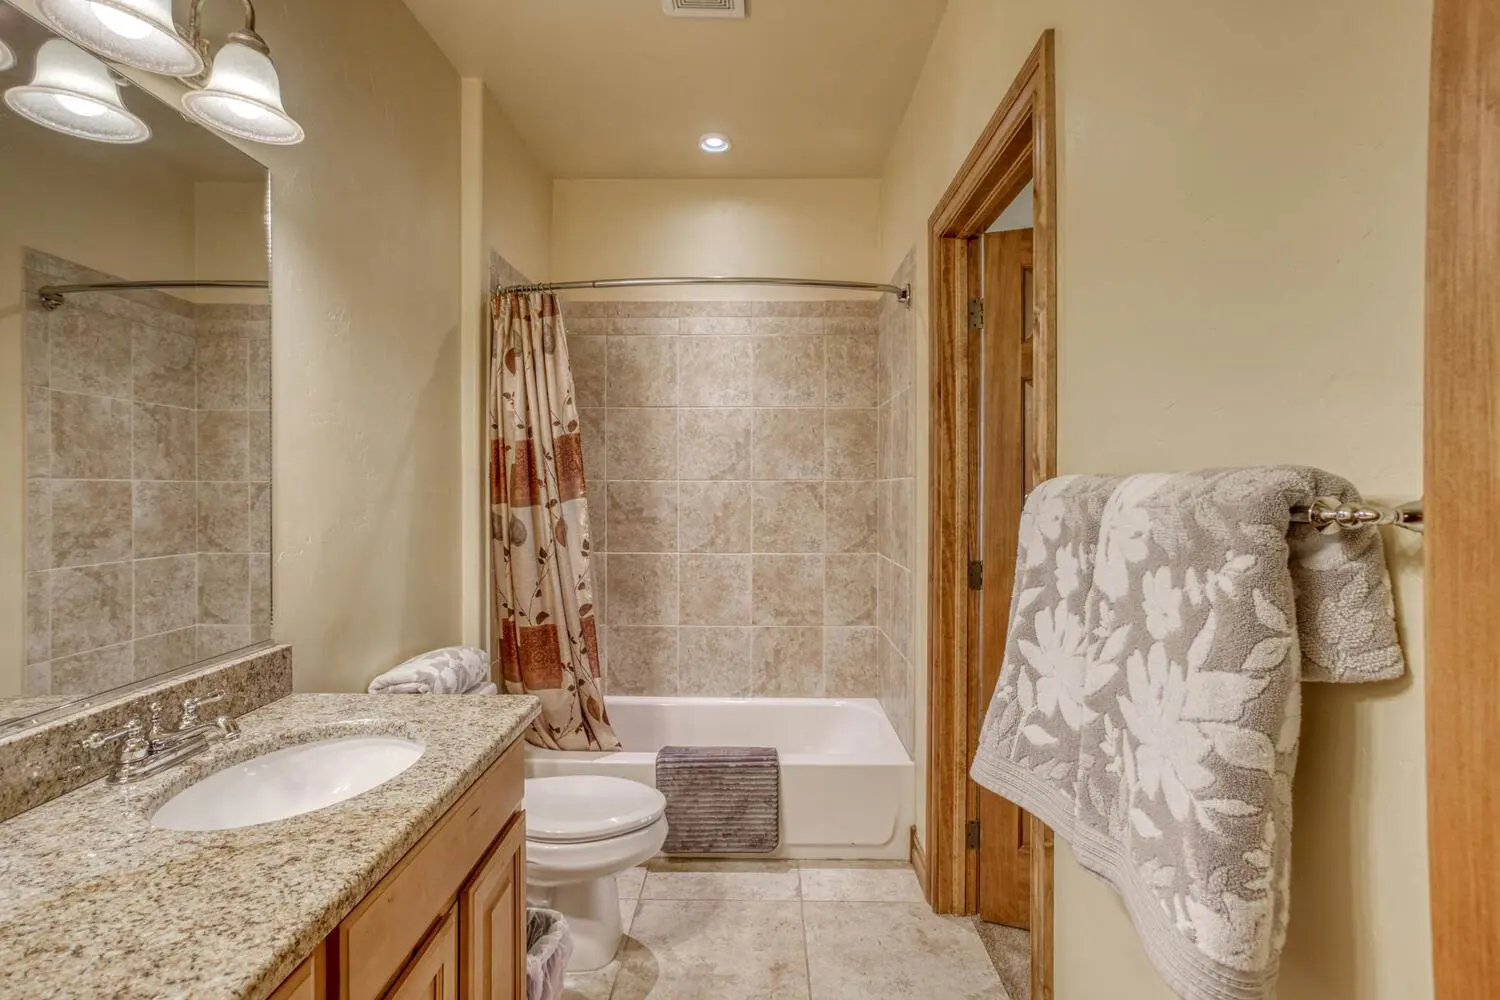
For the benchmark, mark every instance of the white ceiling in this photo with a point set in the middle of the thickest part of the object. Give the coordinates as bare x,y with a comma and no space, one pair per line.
615,88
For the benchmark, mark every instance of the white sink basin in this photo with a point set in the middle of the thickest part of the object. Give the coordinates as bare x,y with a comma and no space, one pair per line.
288,782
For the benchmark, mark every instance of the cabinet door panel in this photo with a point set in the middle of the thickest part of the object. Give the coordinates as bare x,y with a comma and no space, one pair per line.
306,981
433,973
492,921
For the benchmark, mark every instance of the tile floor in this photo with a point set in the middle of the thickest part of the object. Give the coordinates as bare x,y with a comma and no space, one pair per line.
784,930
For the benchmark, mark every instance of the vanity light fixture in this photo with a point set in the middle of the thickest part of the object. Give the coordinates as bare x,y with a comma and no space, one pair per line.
73,93
714,142
137,33
7,57
242,96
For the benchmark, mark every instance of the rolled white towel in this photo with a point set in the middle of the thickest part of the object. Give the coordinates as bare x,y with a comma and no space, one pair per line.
451,670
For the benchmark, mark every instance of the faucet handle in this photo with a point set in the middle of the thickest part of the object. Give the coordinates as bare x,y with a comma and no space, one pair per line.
190,708
134,748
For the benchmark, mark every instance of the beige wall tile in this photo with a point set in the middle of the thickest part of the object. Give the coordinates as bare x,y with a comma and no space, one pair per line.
592,427
901,625
38,617
89,352
224,517
36,679
164,442
901,523
850,590
714,662
223,371
789,371
223,589
90,521
258,374
36,361
644,516
642,661
576,309
642,371
850,667
91,607
260,517
788,590
260,589
645,318
867,310
715,444
850,516
714,517
900,448
38,525
788,517
258,447
714,590
716,326
164,367
598,499
90,437
850,441
156,654
643,589
93,671
787,663
717,309
588,359
223,444
716,371
642,441
852,379
166,518
38,431
166,594
788,444
214,640
791,307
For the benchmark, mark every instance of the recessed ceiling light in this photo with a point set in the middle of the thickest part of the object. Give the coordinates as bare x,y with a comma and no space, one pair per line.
714,142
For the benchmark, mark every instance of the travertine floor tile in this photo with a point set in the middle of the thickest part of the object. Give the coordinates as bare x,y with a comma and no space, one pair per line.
694,950
895,951
860,884
740,885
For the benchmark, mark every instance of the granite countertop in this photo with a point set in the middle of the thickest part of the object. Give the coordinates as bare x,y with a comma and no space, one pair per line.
95,902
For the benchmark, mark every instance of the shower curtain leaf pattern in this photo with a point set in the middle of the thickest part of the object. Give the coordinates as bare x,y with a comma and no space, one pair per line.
543,606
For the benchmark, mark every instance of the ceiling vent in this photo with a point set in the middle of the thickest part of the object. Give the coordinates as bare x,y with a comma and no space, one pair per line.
704,8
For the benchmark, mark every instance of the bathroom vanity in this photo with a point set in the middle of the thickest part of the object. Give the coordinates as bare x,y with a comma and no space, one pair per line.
414,888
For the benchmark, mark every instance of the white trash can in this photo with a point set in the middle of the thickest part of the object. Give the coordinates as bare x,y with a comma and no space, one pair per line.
549,944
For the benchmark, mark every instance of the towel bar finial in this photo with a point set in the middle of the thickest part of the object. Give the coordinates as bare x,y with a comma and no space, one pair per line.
1329,514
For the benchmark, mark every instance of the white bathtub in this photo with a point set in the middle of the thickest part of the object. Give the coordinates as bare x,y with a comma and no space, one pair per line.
846,781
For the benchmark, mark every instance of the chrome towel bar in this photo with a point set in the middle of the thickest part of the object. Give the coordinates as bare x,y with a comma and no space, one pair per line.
1328,514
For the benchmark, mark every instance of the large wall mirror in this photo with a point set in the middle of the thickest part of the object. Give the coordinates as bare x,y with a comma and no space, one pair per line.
135,423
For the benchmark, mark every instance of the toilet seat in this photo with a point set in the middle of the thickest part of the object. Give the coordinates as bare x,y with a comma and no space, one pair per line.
587,808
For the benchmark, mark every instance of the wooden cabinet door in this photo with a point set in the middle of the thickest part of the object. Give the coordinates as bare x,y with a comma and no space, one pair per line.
433,973
306,981
492,921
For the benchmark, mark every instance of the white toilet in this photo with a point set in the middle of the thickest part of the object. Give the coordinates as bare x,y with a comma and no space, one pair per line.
582,831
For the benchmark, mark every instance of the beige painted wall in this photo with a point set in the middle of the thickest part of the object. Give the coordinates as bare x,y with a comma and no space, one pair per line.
761,228
517,197
124,215
229,234
1241,194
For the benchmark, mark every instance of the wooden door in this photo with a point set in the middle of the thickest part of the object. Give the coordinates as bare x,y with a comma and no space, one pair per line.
492,921
432,973
1008,468
1462,474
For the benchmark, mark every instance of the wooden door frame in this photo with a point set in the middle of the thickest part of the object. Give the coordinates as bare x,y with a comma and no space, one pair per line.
1018,145
1462,396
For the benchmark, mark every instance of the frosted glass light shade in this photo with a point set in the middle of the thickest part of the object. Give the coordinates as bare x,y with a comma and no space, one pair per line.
243,98
7,56
137,33
72,93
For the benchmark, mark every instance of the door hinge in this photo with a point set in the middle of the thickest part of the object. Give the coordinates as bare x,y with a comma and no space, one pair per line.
976,575
976,314
972,834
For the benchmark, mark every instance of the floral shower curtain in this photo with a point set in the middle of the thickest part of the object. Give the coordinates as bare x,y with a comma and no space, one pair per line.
542,616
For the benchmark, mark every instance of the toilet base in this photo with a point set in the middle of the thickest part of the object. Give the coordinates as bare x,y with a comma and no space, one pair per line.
592,909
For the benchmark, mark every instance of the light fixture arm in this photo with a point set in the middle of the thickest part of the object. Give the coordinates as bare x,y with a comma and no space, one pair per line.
245,36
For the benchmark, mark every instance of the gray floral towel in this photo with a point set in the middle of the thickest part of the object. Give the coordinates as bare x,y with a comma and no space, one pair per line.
1149,704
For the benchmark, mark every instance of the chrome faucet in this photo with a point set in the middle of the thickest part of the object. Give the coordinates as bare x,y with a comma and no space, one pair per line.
151,748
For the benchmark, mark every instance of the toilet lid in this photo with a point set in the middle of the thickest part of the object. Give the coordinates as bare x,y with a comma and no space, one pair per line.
584,807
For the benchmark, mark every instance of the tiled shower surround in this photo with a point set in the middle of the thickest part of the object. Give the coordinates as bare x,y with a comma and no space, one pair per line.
148,482
894,472
731,451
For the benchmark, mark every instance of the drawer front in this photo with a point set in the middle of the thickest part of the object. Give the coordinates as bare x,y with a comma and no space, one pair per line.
433,973
492,921
376,940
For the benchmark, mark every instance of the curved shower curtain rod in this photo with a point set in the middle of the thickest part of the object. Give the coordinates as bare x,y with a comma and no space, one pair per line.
902,292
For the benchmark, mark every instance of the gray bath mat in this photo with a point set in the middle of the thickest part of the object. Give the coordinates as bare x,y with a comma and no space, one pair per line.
720,800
